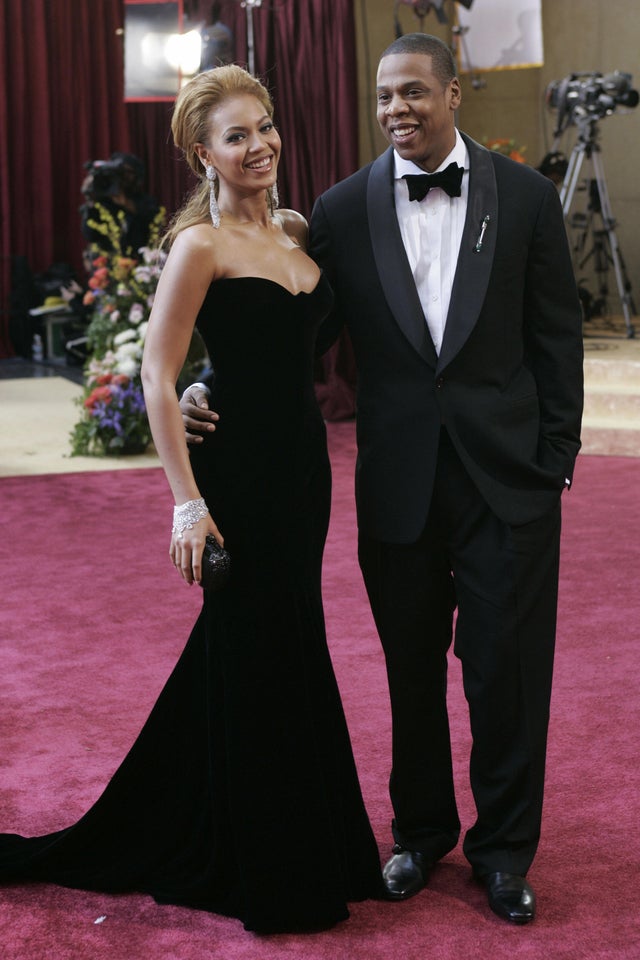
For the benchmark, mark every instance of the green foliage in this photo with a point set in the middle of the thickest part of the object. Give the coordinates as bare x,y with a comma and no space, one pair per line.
121,291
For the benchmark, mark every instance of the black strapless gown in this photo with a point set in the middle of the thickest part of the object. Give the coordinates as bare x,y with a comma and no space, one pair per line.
240,795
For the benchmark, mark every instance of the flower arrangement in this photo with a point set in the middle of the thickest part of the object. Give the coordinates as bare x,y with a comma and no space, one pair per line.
120,297
507,147
114,418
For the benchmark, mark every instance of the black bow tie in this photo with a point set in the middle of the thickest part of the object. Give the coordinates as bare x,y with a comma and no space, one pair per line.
449,179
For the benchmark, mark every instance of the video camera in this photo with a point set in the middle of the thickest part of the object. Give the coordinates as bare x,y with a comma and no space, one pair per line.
121,174
584,97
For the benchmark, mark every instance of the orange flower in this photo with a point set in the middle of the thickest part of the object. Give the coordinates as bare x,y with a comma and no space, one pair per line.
100,279
507,147
122,267
98,395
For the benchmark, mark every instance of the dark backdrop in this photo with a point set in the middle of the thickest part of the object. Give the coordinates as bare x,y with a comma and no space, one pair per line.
61,104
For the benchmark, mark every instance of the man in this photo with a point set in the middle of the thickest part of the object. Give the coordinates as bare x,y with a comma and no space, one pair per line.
114,190
466,328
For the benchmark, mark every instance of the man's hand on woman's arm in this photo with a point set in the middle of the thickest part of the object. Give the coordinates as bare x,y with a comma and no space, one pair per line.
197,418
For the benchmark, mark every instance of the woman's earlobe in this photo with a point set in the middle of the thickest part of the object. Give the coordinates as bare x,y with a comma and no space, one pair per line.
202,156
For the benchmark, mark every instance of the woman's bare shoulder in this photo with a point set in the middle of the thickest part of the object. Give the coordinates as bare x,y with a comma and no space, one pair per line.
196,255
198,236
200,247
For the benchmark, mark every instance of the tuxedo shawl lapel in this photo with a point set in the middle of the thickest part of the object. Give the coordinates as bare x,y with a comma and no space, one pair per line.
391,260
474,266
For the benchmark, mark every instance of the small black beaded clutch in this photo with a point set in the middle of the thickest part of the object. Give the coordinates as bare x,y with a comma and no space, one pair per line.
216,565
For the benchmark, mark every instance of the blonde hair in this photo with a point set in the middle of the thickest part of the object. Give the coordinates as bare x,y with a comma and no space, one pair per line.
190,125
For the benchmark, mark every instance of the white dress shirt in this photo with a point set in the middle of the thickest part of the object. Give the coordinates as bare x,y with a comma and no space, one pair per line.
431,232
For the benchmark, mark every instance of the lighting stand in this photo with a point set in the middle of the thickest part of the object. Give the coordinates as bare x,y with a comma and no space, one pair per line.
606,248
251,56
461,53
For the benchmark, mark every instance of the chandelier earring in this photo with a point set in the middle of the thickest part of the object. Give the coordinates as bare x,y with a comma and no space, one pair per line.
214,209
274,199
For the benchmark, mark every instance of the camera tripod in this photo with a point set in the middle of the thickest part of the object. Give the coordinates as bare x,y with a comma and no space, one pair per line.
606,249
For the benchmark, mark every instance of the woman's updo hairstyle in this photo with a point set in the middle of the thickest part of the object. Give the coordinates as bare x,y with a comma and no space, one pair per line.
196,100
190,125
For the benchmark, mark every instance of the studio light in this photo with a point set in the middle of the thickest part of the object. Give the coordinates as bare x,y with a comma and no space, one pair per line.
183,52
158,55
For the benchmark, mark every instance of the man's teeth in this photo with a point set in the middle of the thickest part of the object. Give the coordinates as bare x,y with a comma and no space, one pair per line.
403,131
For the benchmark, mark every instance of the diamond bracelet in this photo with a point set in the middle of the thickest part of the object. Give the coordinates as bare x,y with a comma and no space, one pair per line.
187,514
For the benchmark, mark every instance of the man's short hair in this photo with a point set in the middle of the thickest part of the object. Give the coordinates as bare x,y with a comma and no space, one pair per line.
443,64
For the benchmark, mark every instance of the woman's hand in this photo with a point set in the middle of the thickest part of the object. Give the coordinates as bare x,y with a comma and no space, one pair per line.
187,547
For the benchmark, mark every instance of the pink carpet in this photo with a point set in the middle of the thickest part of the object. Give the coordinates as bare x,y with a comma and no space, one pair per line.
93,618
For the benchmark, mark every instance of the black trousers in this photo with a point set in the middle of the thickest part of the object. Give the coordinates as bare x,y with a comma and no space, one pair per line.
503,581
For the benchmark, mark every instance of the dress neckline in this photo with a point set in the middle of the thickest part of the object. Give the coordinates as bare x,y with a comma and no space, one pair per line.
275,283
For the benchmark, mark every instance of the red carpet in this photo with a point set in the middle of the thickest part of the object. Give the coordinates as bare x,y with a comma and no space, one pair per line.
93,617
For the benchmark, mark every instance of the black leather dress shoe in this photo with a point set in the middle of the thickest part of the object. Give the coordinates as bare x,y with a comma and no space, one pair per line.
510,896
405,874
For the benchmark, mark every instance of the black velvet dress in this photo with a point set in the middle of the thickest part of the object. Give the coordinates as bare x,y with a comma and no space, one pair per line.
240,795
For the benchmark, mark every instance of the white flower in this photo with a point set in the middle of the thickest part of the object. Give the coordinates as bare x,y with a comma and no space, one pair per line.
143,274
142,331
99,367
127,359
126,350
114,316
153,256
128,367
124,336
136,313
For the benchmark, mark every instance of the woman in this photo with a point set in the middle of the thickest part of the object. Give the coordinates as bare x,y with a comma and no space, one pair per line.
240,796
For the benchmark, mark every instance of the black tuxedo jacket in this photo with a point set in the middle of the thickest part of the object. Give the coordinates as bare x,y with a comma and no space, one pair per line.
507,384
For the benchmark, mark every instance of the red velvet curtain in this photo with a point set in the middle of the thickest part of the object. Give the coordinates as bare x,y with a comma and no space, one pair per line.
61,68
61,104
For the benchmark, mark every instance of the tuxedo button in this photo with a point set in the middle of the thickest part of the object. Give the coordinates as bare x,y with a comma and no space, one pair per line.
439,382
